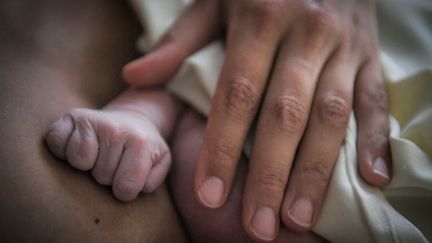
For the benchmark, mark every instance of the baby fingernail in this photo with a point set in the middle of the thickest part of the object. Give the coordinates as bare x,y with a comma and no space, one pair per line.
264,224
301,212
211,191
380,167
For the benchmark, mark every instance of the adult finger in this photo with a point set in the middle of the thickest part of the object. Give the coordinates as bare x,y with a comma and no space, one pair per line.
228,226
249,56
280,128
195,27
321,142
370,104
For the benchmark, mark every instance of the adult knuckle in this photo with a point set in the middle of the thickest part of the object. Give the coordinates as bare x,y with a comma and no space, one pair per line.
334,110
290,113
378,137
265,11
224,151
319,19
241,96
273,179
301,69
376,96
316,171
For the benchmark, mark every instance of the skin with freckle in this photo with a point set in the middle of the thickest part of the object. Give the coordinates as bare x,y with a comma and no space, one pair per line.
297,68
56,55
43,197
123,145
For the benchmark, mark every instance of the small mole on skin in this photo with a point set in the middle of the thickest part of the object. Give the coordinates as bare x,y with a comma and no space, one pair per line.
97,220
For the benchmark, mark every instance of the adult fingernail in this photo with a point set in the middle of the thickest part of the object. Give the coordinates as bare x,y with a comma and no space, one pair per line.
301,212
380,167
211,192
264,224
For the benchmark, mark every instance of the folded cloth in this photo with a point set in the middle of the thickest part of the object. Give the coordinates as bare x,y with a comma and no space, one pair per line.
353,211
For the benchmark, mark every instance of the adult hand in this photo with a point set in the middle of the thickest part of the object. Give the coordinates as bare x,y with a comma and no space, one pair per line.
306,64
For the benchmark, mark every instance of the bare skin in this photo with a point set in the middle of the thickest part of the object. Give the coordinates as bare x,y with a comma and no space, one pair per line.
123,145
307,64
207,225
49,201
44,199
56,55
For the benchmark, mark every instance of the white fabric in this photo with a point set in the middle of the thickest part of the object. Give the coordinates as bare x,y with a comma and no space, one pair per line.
353,211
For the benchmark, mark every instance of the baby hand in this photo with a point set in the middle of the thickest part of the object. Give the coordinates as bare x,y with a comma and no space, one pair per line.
121,148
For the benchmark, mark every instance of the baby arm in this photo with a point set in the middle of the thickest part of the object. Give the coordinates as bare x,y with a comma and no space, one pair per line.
123,144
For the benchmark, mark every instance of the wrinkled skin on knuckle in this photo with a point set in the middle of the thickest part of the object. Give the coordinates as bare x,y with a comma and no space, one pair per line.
272,180
319,19
375,96
316,171
290,114
334,110
241,96
224,152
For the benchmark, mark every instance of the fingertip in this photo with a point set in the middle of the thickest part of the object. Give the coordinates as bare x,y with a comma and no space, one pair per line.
103,179
211,186
156,67
125,191
134,72
374,158
58,136
74,153
264,225
302,203
210,192
158,174
375,171
82,148
298,215
190,32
